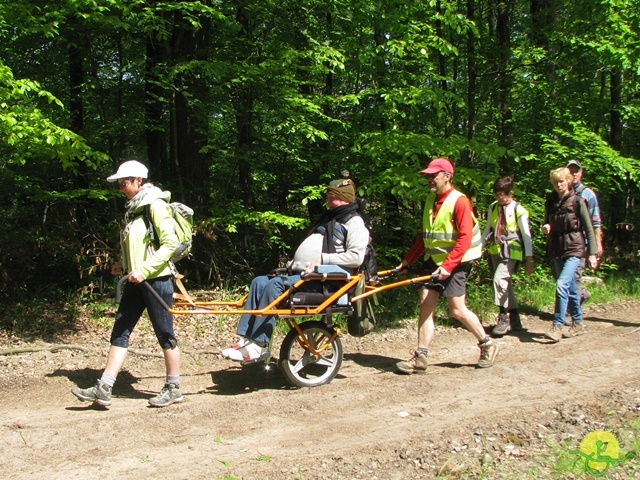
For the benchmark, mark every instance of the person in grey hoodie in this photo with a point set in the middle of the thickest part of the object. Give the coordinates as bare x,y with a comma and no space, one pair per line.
340,238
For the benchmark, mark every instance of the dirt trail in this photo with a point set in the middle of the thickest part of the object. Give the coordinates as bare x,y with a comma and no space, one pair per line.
369,422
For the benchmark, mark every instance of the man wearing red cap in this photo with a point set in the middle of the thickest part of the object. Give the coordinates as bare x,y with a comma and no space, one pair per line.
451,240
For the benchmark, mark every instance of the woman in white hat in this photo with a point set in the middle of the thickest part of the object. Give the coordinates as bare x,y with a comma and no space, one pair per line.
143,262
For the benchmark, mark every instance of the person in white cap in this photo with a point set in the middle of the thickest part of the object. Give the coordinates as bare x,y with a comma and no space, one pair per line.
143,262
450,241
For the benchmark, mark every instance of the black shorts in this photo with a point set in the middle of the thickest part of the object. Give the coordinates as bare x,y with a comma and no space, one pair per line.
454,286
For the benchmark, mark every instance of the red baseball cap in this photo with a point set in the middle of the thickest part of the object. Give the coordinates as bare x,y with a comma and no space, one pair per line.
438,165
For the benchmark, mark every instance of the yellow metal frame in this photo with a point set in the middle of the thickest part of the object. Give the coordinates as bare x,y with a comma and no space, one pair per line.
183,307
304,342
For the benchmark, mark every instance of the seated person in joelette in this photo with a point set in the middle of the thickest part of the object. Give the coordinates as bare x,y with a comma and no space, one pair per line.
339,238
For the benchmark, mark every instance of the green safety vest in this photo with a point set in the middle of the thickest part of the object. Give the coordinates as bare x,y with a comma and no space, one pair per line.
440,234
511,245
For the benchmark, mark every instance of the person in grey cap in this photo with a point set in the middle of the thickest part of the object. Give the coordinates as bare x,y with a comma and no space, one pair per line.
340,238
589,195
144,262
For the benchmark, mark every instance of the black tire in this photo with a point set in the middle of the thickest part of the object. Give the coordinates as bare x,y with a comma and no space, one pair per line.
298,364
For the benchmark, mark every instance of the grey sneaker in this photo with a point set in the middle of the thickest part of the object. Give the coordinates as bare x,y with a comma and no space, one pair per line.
555,333
99,393
416,364
503,326
488,353
168,395
577,328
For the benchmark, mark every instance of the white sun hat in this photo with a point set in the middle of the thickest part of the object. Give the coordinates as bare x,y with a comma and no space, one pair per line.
130,168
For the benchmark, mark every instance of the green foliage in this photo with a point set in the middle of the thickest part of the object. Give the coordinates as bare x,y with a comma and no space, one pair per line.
593,152
26,133
100,312
248,109
269,221
563,462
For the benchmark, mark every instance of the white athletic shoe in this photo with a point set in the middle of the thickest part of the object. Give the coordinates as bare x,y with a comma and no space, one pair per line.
227,352
250,352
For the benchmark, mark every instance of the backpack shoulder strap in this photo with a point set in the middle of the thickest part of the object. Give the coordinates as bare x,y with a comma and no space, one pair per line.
146,216
149,221
515,210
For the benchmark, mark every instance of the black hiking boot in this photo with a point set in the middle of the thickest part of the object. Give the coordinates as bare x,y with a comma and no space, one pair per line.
514,319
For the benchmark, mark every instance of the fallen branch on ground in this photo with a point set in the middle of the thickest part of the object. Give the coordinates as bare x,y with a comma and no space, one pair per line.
56,347
50,348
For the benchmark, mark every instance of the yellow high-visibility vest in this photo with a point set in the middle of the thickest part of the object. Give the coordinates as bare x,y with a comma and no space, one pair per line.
510,234
440,234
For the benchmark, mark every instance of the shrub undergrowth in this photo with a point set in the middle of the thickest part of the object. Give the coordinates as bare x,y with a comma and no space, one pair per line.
56,312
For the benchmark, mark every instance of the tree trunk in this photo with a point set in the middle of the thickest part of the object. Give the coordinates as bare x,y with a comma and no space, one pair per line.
155,105
120,144
504,82
541,19
616,103
618,202
243,102
442,66
77,49
473,75
76,83
189,167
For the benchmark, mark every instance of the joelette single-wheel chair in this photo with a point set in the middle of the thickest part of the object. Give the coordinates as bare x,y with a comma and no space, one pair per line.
311,352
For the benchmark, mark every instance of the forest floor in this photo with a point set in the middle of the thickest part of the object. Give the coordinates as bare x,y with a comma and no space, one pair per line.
519,419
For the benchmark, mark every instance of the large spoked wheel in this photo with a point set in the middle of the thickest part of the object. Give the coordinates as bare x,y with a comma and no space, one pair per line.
300,366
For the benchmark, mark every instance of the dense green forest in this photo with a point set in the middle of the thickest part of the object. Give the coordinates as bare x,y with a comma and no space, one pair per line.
245,108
